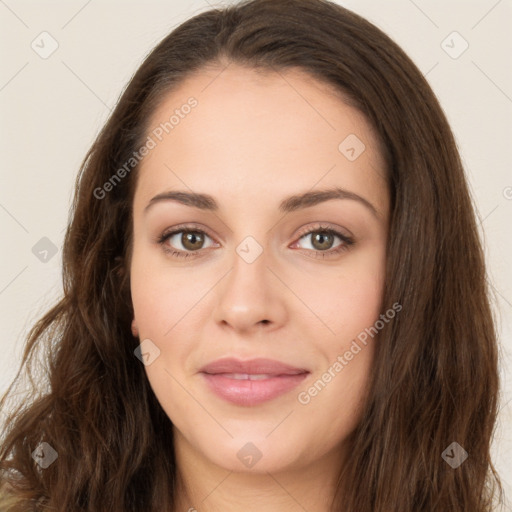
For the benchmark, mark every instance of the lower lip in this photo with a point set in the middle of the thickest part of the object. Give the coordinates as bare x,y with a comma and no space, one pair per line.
252,392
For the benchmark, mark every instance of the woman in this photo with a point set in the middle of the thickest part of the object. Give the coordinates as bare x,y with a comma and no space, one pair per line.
274,289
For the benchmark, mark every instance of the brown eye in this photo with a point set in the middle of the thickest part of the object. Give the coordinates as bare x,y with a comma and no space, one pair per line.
185,242
192,240
322,240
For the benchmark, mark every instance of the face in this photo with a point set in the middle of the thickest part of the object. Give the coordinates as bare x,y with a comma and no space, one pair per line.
251,265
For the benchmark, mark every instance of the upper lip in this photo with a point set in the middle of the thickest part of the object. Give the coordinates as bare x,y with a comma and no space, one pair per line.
251,367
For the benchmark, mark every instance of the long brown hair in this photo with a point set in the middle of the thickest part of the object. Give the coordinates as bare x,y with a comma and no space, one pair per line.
435,376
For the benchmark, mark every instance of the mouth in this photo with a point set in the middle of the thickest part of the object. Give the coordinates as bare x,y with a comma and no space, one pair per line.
249,383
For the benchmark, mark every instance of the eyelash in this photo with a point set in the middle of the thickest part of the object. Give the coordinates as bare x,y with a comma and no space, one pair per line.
345,246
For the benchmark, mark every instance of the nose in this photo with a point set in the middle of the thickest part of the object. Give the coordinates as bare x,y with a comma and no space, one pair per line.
250,296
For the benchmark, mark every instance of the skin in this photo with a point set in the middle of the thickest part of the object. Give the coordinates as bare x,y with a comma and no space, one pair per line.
253,140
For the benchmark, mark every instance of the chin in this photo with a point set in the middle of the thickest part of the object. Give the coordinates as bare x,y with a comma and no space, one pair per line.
252,454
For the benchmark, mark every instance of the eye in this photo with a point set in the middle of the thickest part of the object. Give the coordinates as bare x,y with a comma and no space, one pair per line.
322,240
189,241
183,242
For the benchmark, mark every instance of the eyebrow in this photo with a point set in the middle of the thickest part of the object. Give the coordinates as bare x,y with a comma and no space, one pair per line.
290,204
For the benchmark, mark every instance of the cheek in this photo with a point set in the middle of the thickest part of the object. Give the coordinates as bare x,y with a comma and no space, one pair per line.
336,394
363,287
162,306
345,300
353,311
160,297
358,305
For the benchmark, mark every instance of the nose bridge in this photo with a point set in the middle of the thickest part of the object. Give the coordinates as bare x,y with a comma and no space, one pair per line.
249,296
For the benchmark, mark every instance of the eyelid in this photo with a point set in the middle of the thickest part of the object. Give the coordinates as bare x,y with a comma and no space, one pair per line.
191,226
320,226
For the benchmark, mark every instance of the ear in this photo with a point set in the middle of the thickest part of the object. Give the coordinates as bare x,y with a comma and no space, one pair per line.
135,329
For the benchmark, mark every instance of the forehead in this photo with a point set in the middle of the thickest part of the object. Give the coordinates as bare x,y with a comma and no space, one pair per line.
258,131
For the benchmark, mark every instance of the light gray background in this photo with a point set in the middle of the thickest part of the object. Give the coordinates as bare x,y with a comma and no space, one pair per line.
52,108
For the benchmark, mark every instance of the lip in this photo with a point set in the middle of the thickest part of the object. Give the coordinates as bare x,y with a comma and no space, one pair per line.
274,379
251,366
